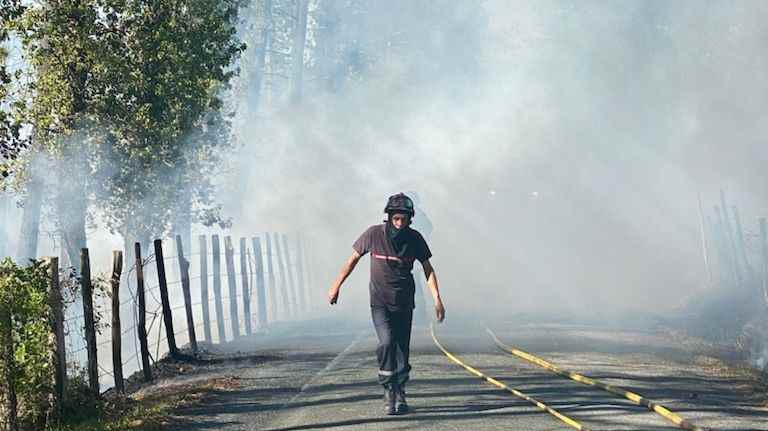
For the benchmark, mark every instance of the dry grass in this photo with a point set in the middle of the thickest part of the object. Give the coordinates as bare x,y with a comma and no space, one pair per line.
150,409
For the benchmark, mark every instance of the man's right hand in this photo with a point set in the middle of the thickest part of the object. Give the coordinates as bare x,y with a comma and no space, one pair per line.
349,265
333,295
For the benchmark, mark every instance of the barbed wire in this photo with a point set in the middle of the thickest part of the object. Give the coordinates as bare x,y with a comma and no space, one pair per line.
253,263
105,372
185,329
134,310
78,350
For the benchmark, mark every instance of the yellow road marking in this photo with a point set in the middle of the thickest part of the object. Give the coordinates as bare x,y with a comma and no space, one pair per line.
635,398
514,391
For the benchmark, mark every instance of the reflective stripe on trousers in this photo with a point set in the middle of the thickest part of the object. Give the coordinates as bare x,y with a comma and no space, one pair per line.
393,328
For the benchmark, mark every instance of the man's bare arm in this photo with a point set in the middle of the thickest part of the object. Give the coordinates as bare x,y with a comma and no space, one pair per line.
429,272
346,269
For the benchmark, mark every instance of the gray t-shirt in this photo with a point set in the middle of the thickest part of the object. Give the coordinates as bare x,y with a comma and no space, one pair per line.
392,283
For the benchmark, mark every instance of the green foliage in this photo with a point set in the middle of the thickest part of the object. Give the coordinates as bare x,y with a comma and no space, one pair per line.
125,96
172,60
11,142
63,43
23,293
62,39
80,402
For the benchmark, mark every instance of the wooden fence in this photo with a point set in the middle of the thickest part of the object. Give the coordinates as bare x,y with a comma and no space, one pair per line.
256,273
733,255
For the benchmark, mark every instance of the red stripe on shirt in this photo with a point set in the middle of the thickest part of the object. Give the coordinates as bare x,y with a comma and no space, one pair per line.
381,256
385,257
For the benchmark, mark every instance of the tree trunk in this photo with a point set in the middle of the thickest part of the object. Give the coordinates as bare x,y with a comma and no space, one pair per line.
71,204
5,215
297,53
261,56
6,355
71,220
30,223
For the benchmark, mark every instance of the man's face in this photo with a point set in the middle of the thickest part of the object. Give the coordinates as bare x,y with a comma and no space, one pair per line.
400,220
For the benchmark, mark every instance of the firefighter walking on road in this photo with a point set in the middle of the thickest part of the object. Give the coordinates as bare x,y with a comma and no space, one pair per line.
394,248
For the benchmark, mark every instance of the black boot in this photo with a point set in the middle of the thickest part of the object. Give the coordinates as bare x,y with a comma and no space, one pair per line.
389,400
401,405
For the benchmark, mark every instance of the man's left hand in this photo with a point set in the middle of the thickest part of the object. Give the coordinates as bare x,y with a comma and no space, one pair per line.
440,311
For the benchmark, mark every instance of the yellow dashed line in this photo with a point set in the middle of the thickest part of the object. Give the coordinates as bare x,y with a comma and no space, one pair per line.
514,391
635,398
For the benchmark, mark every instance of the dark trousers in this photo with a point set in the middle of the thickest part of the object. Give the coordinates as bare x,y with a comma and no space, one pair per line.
393,328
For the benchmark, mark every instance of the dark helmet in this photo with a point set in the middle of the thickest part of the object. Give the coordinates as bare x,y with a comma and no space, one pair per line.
414,197
399,203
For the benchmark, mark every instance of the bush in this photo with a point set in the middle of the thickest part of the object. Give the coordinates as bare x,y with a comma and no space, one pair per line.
81,403
24,294
719,314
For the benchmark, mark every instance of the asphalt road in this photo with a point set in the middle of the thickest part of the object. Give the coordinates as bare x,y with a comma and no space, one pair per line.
324,378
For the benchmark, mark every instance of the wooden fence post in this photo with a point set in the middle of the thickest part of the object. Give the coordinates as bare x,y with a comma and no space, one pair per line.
90,329
184,271
715,253
283,284
117,354
60,354
731,238
142,314
246,289
7,352
300,288
741,245
309,261
764,248
229,256
300,272
167,316
261,296
726,251
704,243
204,288
217,288
289,269
271,278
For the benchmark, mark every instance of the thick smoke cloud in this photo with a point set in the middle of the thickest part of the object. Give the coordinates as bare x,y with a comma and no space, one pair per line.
559,148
